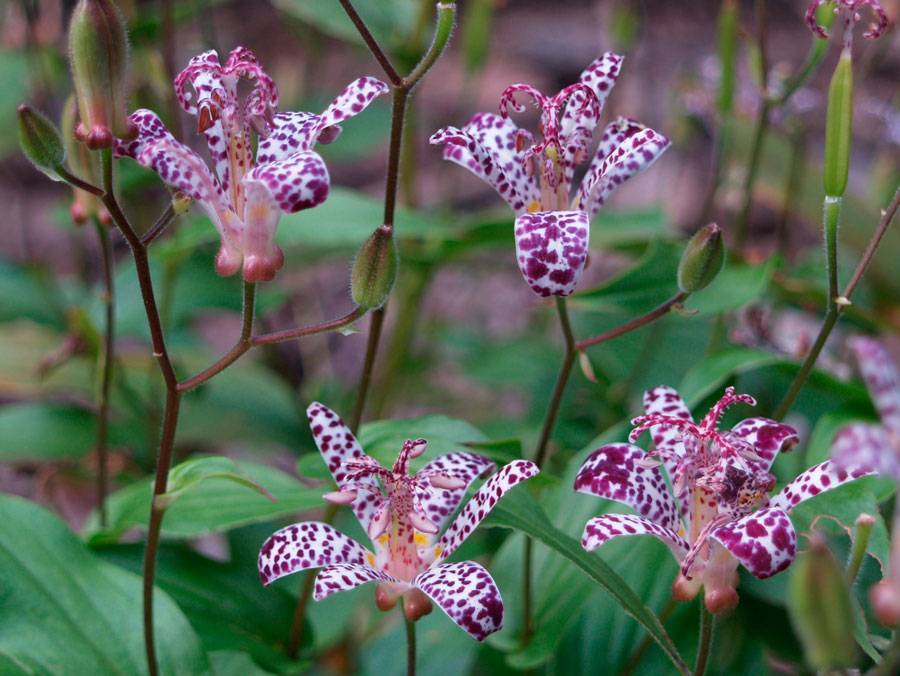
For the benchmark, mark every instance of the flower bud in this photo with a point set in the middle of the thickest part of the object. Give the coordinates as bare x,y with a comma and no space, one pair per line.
838,125
41,142
702,259
84,165
416,605
98,49
374,269
821,609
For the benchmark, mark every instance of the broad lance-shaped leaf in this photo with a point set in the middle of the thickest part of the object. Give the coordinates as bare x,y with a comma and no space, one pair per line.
188,475
66,611
519,511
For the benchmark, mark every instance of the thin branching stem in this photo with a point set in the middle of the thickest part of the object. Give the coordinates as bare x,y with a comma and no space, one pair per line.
106,360
158,227
704,640
410,647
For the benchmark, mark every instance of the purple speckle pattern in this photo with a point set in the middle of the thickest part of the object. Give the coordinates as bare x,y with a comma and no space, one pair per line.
483,502
816,480
766,437
764,542
615,472
551,249
535,177
881,378
468,594
602,529
345,576
866,445
306,545
440,503
298,182
338,446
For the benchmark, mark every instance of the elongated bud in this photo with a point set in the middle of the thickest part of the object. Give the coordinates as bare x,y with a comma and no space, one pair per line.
820,608
374,269
838,127
41,142
726,43
98,49
702,259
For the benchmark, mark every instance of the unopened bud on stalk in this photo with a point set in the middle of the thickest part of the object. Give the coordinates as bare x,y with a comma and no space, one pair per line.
84,165
821,609
98,49
702,259
41,142
374,269
838,125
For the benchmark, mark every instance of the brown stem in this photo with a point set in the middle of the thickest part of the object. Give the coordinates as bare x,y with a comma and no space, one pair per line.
323,327
636,323
106,367
155,230
170,415
835,309
410,647
73,180
372,43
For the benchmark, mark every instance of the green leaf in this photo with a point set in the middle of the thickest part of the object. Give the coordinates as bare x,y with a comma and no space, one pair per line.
188,475
734,287
710,373
518,510
389,21
382,439
37,431
210,506
66,611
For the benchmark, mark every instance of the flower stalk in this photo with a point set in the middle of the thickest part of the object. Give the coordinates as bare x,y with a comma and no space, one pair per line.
105,361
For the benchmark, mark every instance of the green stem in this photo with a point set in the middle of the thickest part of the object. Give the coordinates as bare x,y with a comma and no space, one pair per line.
107,357
410,647
742,223
704,640
562,379
836,308
832,220
864,524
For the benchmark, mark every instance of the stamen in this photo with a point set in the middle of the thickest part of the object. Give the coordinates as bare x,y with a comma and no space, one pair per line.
340,497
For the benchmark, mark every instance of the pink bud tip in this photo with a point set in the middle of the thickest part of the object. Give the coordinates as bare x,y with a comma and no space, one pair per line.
340,497
418,448
379,522
416,605
422,524
449,482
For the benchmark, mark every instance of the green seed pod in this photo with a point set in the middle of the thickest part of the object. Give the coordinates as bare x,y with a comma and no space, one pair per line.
821,609
41,142
838,132
726,43
98,48
702,259
374,269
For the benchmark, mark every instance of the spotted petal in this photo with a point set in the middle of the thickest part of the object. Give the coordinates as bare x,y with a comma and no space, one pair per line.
882,379
614,472
764,542
291,133
602,529
817,479
626,149
440,503
338,446
483,502
355,98
488,146
767,438
551,249
310,544
346,576
863,445
467,593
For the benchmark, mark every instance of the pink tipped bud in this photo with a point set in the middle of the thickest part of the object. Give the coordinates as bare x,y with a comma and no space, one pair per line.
885,598
418,448
684,589
98,49
449,482
719,600
416,604
421,523
340,497
380,521
385,597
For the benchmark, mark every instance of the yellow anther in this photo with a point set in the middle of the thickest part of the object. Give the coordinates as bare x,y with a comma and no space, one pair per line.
534,206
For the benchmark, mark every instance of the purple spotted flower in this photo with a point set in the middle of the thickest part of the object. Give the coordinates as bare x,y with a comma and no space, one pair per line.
718,512
244,197
403,515
536,178
851,12
877,446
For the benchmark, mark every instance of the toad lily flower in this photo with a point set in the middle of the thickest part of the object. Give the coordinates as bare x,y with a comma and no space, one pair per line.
718,512
536,179
877,446
851,13
403,515
244,197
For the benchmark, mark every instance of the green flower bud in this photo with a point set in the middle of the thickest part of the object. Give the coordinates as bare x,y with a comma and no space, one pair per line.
98,49
41,142
821,609
374,269
838,125
702,259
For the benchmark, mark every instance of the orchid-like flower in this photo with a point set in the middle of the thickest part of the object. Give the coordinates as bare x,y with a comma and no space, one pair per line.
244,198
877,446
403,515
536,178
850,12
718,512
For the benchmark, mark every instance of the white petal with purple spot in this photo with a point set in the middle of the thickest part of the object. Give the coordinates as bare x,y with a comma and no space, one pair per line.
551,249
467,593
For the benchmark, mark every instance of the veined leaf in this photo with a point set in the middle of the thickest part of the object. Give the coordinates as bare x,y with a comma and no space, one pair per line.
188,475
